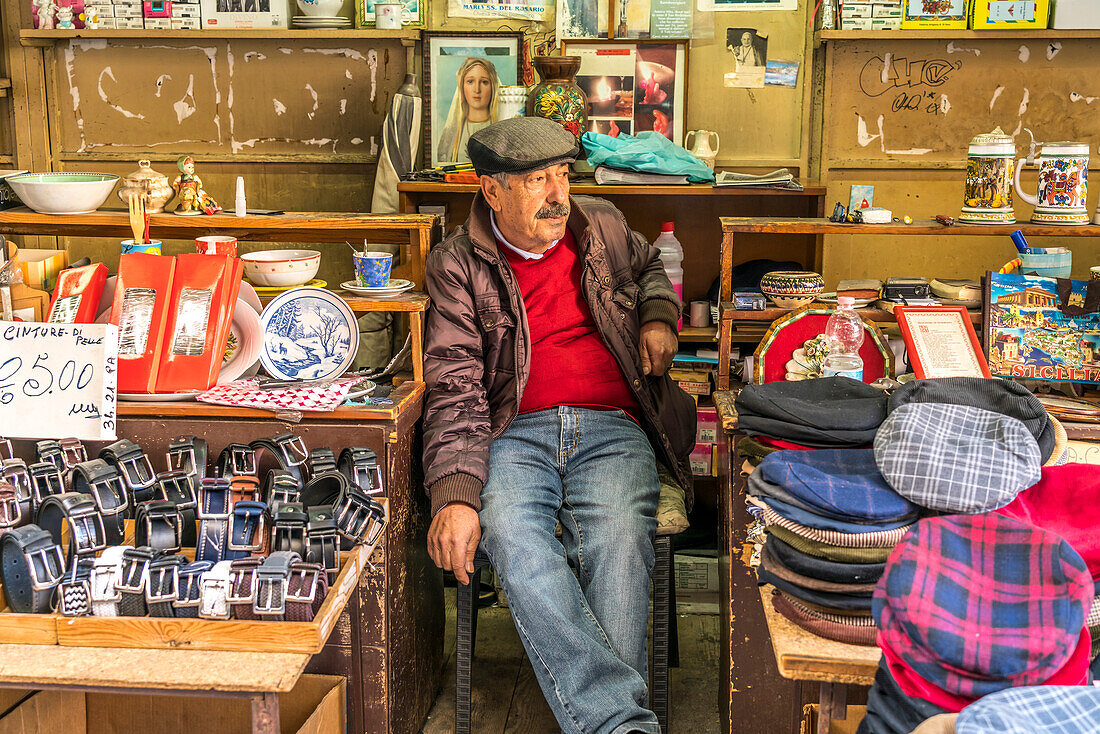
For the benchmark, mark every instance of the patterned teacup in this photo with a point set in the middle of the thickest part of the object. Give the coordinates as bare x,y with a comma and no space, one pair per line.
372,269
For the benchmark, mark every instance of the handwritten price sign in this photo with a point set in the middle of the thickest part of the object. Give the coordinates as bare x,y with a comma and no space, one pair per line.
58,380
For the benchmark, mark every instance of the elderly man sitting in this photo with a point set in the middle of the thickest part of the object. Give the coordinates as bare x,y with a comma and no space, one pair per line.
552,326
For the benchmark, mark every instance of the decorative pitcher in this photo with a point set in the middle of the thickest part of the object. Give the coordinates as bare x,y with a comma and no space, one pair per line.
1063,183
558,97
990,164
153,185
703,150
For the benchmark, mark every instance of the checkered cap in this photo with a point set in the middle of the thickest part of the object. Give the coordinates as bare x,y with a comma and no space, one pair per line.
955,458
1046,709
977,603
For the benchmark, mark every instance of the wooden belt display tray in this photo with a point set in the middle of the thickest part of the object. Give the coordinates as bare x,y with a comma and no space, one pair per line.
240,635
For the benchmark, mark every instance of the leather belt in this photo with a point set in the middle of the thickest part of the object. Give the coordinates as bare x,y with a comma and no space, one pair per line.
175,486
15,473
134,467
45,480
162,587
323,541
6,449
245,488
189,588
214,510
321,460
11,510
288,450
247,530
73,452
107,488
188,454
214,591
288,589
236,459
134,579
50,451
106,573
281,486
242,587
288,528
359,518
31,565
360,466
324,489
158,524
77,512
74,593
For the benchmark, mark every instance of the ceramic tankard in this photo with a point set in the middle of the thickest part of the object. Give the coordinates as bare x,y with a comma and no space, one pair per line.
1063,183
990,164
703,150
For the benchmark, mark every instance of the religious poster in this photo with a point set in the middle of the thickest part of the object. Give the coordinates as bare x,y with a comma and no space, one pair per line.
519,9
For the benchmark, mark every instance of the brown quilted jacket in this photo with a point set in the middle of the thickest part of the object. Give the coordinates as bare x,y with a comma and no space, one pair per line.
477,344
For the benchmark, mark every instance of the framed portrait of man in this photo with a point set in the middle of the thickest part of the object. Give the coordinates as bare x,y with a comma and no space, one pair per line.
463,76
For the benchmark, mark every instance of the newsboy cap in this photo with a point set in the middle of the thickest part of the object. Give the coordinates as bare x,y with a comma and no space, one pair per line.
519,145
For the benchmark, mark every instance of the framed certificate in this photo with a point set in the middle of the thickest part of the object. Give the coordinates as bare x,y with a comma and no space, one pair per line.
941,342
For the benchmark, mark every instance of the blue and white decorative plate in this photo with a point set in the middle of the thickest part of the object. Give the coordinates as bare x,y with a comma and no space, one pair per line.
309,334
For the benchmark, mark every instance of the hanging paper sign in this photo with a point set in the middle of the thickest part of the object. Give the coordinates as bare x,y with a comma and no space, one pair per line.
58,380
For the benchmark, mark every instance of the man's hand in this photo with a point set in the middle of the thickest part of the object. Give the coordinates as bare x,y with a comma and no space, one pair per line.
659,344
453,539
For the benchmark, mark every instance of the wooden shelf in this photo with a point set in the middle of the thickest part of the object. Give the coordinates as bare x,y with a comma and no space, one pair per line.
769,315
589,187
46,37
960,34
406,302
796,225
698,333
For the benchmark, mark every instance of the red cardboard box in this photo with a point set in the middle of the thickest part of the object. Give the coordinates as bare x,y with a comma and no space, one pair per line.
706,424
76,296
140,310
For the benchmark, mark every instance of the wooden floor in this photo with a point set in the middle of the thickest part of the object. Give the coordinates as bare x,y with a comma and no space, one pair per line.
507,698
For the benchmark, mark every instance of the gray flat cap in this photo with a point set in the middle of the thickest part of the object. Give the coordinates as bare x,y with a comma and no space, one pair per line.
521,144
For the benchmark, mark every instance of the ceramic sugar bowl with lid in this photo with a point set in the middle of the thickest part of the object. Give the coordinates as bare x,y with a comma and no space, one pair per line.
153,185
990,167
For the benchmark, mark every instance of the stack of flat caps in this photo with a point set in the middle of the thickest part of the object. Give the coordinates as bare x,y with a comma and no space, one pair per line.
832,412
956,458
831,519
1034,710
973,604
998,396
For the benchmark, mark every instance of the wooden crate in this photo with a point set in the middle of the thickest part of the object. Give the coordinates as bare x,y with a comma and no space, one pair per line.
197,634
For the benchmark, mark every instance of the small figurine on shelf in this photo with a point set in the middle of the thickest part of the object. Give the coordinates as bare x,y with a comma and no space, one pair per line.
90,21
193,199
65,18
45,10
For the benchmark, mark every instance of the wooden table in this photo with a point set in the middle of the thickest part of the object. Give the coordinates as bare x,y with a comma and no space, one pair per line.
258,677
802,655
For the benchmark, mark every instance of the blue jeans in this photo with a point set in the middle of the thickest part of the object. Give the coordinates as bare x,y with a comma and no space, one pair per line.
586,634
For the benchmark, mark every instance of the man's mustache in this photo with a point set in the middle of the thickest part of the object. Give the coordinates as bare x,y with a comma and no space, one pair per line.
551,211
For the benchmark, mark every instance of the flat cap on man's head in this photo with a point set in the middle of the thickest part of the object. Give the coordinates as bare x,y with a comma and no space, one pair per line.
519,145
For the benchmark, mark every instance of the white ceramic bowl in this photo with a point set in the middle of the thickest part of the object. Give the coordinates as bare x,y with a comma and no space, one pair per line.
327,8
281,268
63,193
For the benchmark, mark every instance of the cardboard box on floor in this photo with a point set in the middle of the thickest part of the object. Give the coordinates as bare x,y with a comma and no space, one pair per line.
837,726
315,706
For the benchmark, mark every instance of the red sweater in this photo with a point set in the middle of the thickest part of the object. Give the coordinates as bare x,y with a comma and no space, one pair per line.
570,364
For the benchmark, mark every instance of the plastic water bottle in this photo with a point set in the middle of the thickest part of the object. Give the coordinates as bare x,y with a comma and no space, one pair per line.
672,257
844,333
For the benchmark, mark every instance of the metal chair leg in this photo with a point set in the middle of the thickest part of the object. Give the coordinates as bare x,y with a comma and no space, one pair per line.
662,599
673,632
465,636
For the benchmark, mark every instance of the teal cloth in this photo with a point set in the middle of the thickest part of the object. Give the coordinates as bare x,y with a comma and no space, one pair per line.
647,152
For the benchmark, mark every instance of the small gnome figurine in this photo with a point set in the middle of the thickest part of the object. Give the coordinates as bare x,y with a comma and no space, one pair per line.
193,199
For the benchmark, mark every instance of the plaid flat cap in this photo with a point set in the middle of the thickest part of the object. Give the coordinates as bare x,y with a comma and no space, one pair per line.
977,603
1066,501
519,145
996,395
840,483
955,458
1046,709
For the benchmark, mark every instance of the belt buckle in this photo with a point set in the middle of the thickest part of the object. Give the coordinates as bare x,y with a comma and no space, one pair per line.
136,466
313,576
176,458
247,513
218,585
368,477
211,486
90,523
102,578
188,583
235,573
11,514
160,573
293,448
50,574
353,513
65,597
284,488
50,451
180,483
266,580
243,459
45,480
106,487
6,450
171,517
73,452
15,471
135,570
